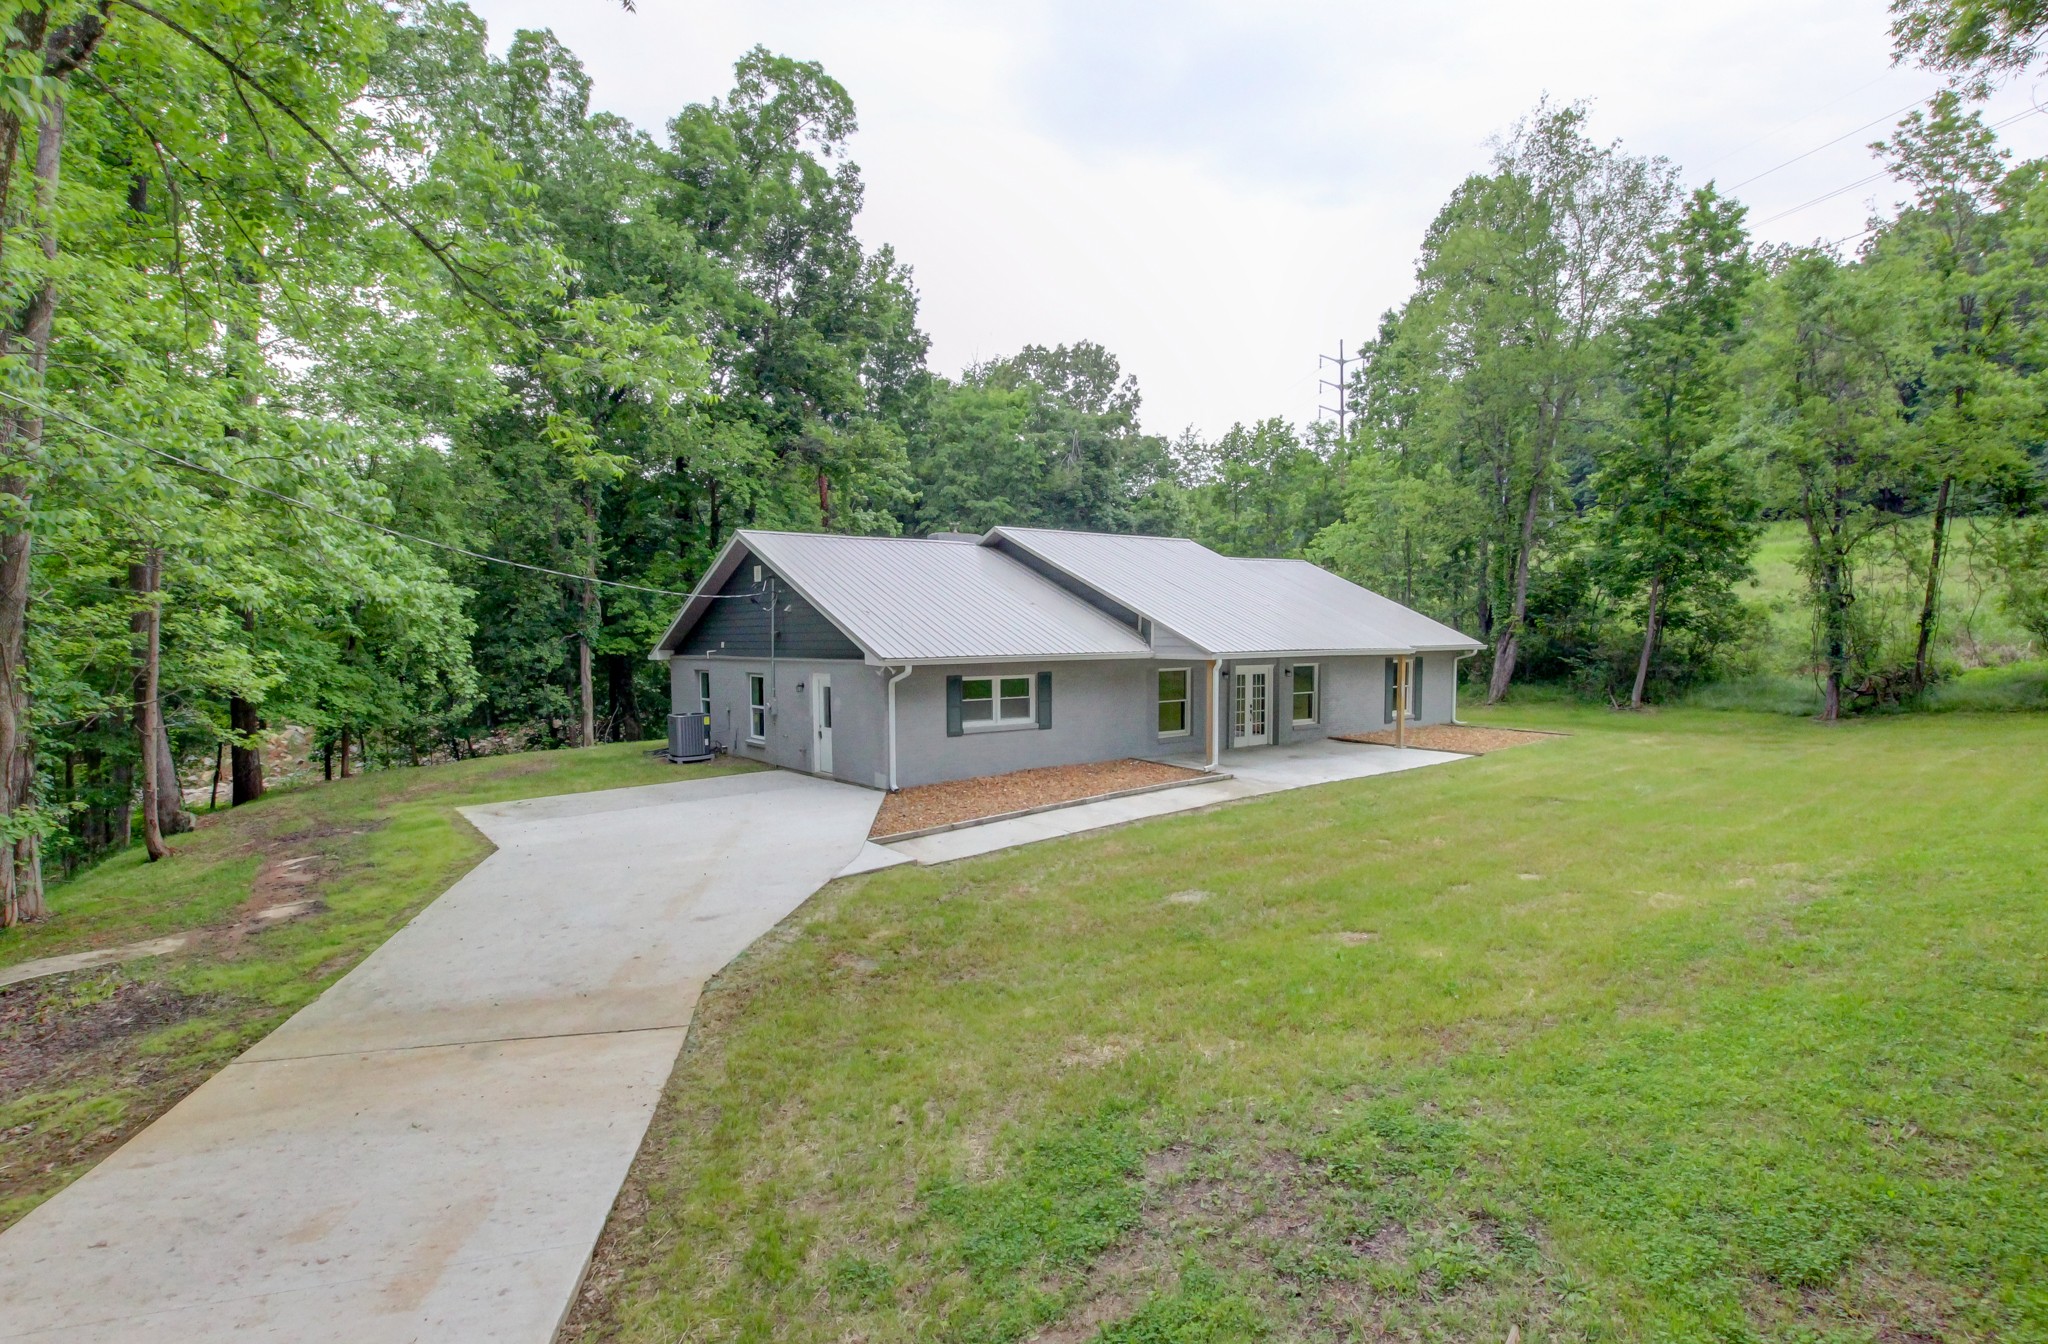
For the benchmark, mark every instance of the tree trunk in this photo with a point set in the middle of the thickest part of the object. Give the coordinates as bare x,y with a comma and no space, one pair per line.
1930,603
245,762
346,742
1635,699
171,816
245,756
213,796
21,439
586,721
327,762
167,799
586,731
825,501
143,578
1834,615
1508,638
625,705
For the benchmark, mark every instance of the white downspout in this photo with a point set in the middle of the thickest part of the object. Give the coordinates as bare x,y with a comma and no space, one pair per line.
907,669
1215,713
1454,686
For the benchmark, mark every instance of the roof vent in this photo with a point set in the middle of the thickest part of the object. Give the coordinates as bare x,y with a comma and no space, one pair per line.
954,536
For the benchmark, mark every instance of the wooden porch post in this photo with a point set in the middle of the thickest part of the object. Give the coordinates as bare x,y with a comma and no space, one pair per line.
1401,666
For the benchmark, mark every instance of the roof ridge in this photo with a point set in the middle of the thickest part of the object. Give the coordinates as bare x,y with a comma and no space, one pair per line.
1087,532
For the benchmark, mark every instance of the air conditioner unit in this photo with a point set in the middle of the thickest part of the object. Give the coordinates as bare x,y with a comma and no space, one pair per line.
689,737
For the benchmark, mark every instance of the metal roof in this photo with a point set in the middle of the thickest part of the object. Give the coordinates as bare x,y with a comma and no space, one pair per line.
904,600
1231,606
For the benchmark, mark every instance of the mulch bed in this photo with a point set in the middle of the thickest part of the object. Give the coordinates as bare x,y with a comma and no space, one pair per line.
928,805
1453,737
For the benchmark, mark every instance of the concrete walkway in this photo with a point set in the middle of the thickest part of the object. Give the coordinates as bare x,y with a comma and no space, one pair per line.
1254,772
23,971
429,1151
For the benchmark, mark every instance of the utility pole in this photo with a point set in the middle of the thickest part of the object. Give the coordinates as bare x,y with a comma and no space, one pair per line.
1342,410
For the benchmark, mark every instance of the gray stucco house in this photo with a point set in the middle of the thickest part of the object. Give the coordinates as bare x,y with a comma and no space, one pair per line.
890,661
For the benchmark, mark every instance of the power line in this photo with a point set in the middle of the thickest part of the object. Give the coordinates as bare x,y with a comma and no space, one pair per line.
1818,148
1824,197
1773,134
322,509
1878,176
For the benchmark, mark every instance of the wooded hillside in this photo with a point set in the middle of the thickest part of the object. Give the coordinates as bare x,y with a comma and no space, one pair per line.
356,379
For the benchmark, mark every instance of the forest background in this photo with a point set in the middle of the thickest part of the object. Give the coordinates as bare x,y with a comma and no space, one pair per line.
366,393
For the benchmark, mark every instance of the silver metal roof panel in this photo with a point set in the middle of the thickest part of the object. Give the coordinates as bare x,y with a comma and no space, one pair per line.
1232,606
922,601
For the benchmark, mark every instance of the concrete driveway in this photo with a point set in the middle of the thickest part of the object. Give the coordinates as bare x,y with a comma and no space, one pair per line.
429,1150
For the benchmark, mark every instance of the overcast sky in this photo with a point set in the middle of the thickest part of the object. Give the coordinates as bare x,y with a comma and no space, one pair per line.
1219,192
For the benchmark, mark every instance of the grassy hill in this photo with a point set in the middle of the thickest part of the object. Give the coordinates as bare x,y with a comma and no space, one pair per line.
1684,1026
1976,639
87,1059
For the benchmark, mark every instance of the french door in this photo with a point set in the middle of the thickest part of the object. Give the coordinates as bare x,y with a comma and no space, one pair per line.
1251,706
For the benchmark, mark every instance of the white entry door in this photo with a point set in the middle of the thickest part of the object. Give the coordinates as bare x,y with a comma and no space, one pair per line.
821,723
1251,706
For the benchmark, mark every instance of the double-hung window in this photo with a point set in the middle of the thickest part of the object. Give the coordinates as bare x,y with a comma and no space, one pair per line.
703,690
757,707
998,702
1307,694
1173,702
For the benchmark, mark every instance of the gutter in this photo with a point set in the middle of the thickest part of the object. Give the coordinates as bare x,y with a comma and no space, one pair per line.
907,669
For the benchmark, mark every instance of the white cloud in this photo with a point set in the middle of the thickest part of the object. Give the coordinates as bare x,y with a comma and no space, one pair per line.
1217,192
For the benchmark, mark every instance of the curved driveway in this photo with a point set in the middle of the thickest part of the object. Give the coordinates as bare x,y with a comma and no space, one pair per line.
430,1149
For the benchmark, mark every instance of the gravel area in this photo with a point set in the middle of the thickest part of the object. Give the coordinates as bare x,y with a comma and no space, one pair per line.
1453,737
928,805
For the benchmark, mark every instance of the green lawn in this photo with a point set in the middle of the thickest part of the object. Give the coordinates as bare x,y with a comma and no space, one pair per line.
1684,1026
87,1058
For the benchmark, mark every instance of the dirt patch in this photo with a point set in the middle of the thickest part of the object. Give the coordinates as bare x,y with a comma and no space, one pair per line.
928,805
75,1081
1456,737
47,1026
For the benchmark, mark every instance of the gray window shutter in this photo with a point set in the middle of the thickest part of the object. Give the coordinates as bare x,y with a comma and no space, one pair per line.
955,723
1393,691
1415,687
1280,704
1045,700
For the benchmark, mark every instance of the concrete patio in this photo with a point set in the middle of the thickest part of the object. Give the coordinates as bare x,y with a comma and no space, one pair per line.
1253,773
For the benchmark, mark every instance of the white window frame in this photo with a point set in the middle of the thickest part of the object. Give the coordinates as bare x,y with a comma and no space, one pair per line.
757,710
1315,703
1186,701
703,675
999,724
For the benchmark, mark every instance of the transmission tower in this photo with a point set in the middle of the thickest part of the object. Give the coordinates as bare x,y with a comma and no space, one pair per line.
1342,410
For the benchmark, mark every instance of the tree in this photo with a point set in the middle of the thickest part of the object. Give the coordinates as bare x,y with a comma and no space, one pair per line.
1049,437
1964,381
45,45
1823,421
1498,372
1263,490
1673,525
1976,42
